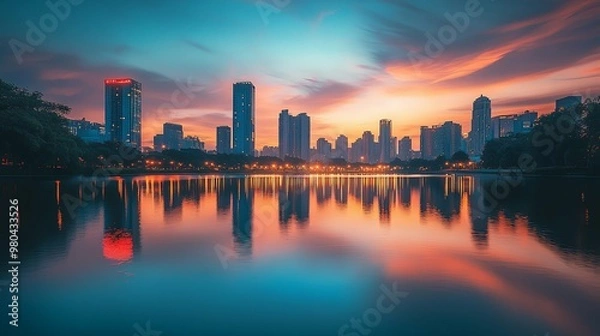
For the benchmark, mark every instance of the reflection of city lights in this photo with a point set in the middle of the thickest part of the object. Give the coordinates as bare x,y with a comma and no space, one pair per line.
117,245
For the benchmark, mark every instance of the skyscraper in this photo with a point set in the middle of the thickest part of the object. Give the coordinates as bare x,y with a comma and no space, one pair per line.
440,140
447,139
405,149
172,136
368,148
481,124
123,111
394,148
244,98
385,140
294,135
323,149
426,144
223,140
341,147
356,151
303,135
159,143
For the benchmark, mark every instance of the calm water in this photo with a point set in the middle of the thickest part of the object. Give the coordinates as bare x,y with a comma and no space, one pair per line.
274,255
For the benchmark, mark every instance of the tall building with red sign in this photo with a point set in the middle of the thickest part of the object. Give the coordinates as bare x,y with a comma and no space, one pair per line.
123,111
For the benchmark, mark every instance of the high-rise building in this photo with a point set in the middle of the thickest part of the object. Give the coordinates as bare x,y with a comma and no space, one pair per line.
426,143
369,154
323,149
356,152
172,135
481,124
123,111
244,106
405,149
159,143
341,147
568,102
447,139
303,135
394,148
385,140
223,140
505,125
294,135
441,140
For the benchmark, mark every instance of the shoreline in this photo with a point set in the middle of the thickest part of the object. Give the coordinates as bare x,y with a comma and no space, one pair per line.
482,172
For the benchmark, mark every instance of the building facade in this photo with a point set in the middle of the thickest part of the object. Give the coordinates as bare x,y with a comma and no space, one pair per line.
172,136
481,124
441,140
244,108
568,102
324,149
506,125
223,140
294,135
405,149
123,111
385,140
341,147
87,131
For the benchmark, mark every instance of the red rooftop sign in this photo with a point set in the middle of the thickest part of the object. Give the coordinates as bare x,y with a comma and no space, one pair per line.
118,81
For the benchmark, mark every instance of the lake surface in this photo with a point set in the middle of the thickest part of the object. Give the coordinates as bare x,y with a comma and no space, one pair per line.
306,255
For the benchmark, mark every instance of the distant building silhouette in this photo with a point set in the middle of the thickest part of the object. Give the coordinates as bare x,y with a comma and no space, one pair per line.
324,149
369,154
341,147
506,125
356,151
481,124
159,143
394,148
568,102
427,143
223,140
123,111
441,140
405,149
192,142
87,131
172,135
244,106
294,135
385,140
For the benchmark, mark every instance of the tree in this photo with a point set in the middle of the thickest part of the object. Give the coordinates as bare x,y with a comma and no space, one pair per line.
566,138
33,131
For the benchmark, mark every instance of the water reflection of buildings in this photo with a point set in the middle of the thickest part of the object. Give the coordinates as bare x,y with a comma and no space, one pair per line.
224,194
294,201
446,198
242,216
121,240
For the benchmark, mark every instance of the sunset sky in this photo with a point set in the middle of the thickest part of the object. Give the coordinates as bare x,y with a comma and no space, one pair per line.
346,63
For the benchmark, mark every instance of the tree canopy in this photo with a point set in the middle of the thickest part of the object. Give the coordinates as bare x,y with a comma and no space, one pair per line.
569,138
33,131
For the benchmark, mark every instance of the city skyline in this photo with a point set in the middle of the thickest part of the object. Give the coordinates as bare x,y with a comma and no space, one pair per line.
347,65
294,132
